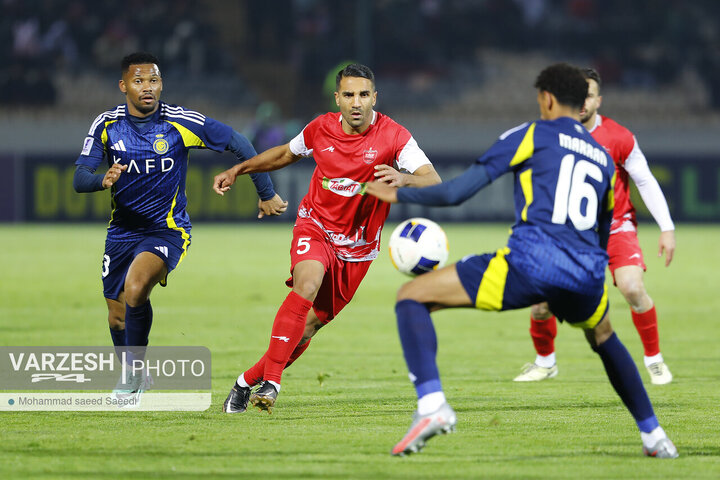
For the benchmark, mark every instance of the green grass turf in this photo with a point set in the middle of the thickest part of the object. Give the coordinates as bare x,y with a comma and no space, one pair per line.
225,295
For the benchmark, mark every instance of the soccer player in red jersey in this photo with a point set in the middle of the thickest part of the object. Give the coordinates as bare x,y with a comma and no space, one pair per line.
626,258
337,231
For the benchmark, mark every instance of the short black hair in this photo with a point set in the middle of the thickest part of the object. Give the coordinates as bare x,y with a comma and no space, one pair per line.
566,82
355,70
592,74
137,58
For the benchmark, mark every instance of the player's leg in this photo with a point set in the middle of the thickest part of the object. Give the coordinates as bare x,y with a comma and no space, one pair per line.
154,257
287,330
625,379
627,267
289,325
239,396
146,271
431,291
116,319
312,326
543,330
116,261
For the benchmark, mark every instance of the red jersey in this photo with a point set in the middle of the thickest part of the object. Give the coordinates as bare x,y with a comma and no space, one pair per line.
620,144
336,199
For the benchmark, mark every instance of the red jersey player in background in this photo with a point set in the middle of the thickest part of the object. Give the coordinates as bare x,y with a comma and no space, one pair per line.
337,231
626,259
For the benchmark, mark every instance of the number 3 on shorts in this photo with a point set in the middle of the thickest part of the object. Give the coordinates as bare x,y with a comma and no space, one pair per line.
106,265
303,245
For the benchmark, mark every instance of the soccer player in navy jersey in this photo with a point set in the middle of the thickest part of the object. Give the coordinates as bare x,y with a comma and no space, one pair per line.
145,143
555,253
626,263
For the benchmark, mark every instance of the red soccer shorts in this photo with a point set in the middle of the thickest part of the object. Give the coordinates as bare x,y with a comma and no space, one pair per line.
342,278
623,250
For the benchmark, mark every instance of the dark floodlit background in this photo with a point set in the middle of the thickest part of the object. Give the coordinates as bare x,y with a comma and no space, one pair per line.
457,73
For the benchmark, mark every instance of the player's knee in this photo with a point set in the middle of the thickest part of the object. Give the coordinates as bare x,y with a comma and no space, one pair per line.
635,294
407,292
540,311
136,293
307,287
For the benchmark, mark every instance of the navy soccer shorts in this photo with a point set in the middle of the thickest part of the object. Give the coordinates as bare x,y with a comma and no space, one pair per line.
501,281
171,246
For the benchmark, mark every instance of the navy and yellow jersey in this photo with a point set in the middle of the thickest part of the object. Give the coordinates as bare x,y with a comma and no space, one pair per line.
150,195
563,181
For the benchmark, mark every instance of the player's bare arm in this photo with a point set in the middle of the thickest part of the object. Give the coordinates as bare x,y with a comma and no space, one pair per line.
273,206
666,244
422,177
272,159
113,174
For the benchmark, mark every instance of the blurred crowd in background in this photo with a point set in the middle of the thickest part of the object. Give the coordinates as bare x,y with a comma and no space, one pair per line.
424,52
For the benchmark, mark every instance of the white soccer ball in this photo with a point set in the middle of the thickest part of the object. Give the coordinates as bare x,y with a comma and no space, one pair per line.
418,245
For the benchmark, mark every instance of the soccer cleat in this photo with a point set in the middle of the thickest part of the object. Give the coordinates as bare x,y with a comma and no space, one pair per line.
237,399
128,389
659,373
424,427
664,448
264,397
532,372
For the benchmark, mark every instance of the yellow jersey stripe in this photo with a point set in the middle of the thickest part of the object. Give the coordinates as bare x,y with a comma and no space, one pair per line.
611,192
189,138
527,189
598,315
171,224
113,204
526,147
492,287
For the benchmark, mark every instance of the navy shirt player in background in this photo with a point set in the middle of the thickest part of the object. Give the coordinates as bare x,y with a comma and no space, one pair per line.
556,253
145,144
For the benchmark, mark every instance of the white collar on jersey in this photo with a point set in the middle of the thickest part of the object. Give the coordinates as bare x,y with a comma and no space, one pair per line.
371,123
598,122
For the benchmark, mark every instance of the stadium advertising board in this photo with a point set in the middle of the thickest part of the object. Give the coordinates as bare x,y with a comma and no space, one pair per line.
43,192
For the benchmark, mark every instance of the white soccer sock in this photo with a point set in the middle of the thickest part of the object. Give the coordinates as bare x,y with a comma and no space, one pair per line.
545,361
430,402
650,439
654,359
276,385
241,381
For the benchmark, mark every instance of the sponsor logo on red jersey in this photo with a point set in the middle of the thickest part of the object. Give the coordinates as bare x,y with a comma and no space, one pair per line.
346,187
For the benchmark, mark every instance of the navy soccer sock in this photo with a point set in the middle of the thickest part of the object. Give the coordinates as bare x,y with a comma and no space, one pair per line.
419,343
118,337
626,381
138,321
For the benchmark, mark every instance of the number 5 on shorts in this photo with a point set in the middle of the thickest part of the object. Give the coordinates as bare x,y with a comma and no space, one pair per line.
303,245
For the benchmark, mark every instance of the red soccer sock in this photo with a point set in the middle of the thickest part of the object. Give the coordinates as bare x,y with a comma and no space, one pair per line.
286,333
254,374
647,327
297,352
543,333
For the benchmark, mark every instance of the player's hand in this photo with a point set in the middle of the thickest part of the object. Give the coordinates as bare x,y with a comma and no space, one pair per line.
223,181
273,206
387,174
666,243
382,190
113,174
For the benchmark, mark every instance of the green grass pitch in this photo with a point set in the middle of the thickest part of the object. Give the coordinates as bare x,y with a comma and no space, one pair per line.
348,400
